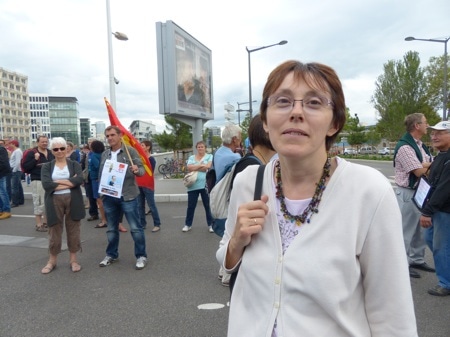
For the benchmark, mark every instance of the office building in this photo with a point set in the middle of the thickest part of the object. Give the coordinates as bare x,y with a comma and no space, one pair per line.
14,111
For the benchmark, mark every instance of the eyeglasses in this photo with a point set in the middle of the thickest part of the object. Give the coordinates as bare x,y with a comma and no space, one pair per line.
310,104
56,149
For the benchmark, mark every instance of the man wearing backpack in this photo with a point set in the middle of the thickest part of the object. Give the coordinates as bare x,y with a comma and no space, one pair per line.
32,164
224,159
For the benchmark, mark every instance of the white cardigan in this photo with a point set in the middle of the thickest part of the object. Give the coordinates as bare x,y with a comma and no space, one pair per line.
345,274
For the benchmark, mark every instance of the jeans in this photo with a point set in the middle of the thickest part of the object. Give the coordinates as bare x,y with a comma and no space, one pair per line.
8,185
4,198
146,193
438,239
192,203
113,208
17,197
219,226
93,209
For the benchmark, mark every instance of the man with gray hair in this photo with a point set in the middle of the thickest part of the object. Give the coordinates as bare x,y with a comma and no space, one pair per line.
411,160
436,213
224,159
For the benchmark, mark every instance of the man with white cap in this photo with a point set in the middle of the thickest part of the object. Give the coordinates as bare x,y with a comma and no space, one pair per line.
436,213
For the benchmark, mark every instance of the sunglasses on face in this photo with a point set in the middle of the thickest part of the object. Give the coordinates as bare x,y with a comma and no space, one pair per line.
56,149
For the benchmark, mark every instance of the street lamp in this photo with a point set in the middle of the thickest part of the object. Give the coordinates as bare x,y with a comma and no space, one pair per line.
444,90
122,37
249,51
239,110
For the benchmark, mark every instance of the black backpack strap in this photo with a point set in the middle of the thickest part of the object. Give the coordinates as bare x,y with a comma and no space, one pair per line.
258,182
256,196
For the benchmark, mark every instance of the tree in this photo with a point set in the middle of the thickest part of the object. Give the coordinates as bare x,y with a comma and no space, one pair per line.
176,136
356,135
401,90
434,73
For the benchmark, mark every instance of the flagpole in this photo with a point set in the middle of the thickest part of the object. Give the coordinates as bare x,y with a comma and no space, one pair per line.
112,89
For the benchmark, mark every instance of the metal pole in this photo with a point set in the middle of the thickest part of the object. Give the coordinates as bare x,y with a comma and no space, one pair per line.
444,88
250,107
112,89
444,113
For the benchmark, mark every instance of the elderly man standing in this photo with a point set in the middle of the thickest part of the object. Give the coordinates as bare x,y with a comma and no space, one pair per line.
17,196
33,163
436,213
127,203
224,158
411,160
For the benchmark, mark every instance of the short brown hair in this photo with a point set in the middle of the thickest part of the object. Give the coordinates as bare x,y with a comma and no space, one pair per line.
413,119
316,75
113,127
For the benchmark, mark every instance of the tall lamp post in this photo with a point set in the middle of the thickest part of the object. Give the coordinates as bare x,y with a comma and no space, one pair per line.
444,90
120,36
249,51
239,110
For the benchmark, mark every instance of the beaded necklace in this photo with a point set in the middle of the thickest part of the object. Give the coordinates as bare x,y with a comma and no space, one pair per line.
315,201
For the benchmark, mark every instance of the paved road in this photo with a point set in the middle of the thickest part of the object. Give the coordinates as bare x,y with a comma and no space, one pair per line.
164,299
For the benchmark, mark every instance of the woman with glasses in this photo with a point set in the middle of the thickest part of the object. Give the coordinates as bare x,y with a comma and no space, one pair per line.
61,179
321,254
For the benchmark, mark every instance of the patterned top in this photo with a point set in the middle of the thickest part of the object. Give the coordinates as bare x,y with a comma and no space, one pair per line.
407,161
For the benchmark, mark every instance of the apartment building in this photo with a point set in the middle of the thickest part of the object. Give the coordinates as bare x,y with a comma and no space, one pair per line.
14,111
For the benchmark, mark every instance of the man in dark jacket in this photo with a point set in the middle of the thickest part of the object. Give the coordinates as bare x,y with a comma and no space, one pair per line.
128,201
5,170
436,213
33,163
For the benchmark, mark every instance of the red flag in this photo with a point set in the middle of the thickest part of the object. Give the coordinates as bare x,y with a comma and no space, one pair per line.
147,180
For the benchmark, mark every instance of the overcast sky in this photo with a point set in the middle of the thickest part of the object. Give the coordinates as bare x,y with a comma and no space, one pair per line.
61,45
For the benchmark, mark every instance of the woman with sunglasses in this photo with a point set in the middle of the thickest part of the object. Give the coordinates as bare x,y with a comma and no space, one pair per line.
321,254
62,179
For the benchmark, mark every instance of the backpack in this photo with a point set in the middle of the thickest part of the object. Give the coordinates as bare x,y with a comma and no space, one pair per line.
24,157
219,197
210,179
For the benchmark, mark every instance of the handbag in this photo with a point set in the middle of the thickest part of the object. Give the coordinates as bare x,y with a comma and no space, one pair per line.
190,178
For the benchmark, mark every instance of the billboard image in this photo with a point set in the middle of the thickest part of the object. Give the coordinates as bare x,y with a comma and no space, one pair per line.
184,73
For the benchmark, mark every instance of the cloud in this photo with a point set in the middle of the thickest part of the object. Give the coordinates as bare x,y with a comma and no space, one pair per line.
62,46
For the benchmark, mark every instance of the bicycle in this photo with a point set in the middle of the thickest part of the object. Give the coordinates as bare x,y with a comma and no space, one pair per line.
171,167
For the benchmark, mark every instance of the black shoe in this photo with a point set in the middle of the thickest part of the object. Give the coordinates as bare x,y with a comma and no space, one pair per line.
439,291
413,273
422,266
14,205
92,218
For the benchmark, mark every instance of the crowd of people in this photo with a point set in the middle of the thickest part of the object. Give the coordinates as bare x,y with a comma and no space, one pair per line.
304,262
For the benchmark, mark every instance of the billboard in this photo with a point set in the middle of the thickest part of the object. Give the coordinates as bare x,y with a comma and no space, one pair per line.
184,73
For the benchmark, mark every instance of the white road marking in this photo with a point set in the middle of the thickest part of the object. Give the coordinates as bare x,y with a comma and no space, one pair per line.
211,306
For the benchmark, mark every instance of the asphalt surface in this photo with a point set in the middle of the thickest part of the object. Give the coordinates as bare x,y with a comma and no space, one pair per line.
177,294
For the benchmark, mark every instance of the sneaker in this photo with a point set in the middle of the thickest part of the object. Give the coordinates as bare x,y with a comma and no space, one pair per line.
439,291
141,262
186,229
156,229
107,261
226,279
5,215
211,230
